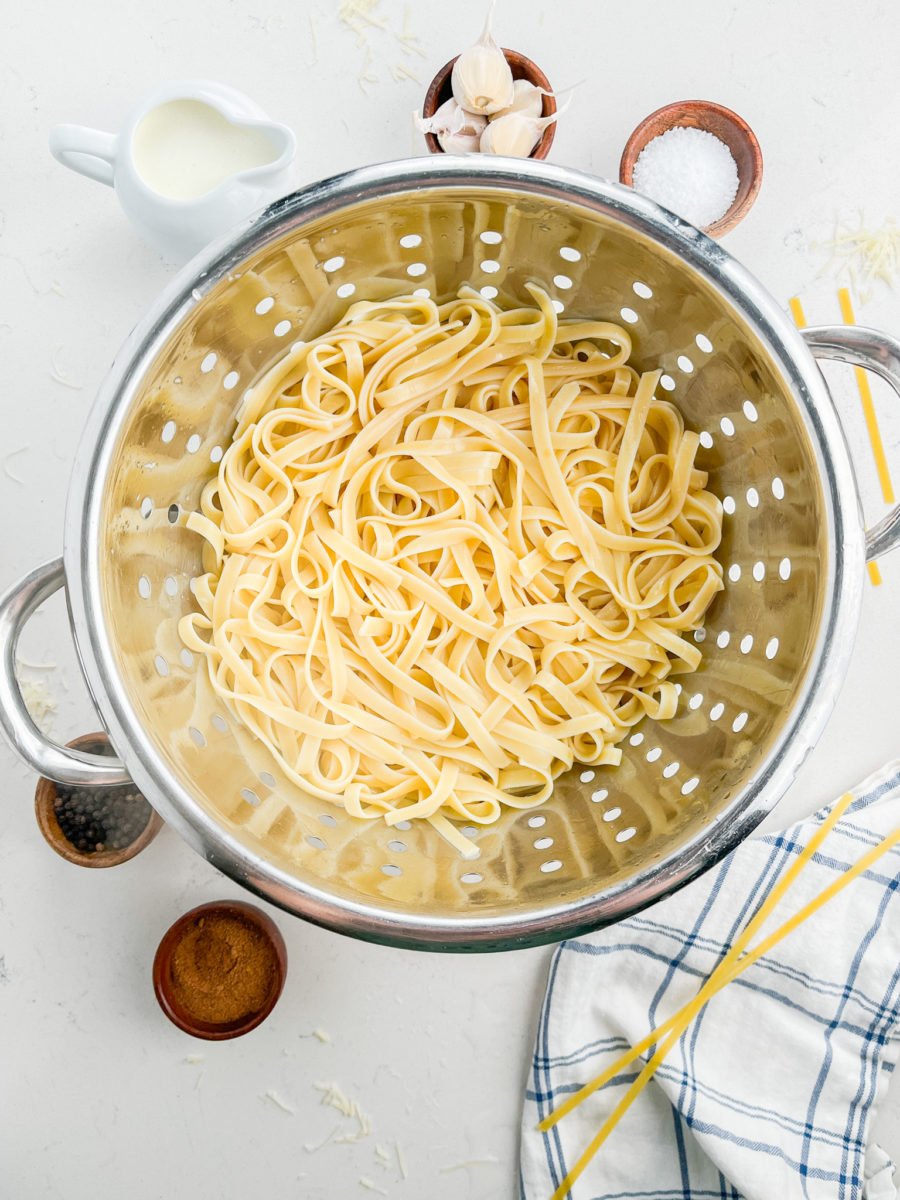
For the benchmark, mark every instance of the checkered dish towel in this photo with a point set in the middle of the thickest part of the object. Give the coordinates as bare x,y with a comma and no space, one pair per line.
768,1093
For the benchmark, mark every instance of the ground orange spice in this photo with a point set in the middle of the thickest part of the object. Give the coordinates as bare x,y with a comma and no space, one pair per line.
223,969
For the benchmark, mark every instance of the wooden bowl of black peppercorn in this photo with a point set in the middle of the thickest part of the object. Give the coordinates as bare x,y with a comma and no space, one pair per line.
94,827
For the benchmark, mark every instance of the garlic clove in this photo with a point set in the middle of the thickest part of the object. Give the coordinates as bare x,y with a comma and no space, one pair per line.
465,135
482,81
513,135
448,119
528,99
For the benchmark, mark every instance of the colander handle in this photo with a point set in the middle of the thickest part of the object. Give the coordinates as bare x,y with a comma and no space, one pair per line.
874,351
46,757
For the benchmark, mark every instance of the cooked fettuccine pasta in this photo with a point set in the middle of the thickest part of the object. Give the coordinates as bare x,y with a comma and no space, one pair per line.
451,550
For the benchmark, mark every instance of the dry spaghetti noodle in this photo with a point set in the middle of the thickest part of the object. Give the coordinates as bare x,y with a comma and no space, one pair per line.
451,550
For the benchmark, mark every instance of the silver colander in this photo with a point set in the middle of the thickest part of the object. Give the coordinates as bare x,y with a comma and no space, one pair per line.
776,643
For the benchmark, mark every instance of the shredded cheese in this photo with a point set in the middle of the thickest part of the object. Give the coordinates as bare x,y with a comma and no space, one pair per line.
371,1186
321,1035
279,1103
866,256
334,1097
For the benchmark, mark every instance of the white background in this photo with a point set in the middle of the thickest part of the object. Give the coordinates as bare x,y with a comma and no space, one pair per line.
97,1096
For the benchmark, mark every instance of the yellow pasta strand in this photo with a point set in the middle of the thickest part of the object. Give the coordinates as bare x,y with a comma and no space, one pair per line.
453,549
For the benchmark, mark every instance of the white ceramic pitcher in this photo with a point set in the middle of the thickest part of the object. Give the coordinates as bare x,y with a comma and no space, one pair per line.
191,160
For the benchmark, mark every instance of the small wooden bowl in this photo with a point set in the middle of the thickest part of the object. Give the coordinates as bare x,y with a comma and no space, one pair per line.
44,811
162,971
439,90
724,124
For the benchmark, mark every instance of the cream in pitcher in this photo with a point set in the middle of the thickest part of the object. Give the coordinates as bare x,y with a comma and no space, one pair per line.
193,159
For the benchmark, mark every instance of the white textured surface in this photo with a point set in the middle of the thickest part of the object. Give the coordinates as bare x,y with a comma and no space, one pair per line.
96,1098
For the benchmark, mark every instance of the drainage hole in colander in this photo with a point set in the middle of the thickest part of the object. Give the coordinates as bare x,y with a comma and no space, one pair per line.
734,572
418,268
327,819
470,831
771,647
403,825
703,343
316,842
750,411
716,711
230,380
264,305
346,289
171,585
267,779
219,723
570,254
146,507
397,847
490,266
600,795
729,505
423,293
670,770
215,455
667,382
490,237
390,869
753,497
678,689
187,659
168,431
641,289
209,362
625,835
739,722
471,876
558,307
636,739
196,736
161,665
759,571
537,822
629,315
552,864
695,701
563,282
489,292
727,426
687,788
586,776
250,796
173,513
699,635
784,569
611,814
144,587
746,643
723,639
333,264
409,240
778,488
706,440
653,754
543,843
282,328
685,364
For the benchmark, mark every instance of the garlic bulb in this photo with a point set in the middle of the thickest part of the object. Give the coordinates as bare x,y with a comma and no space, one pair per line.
527,100
457,131
482,81
514,134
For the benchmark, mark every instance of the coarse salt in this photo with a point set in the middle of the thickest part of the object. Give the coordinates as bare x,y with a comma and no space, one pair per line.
689,171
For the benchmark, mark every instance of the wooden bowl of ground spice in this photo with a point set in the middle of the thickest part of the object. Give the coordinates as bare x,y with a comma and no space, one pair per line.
219,970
